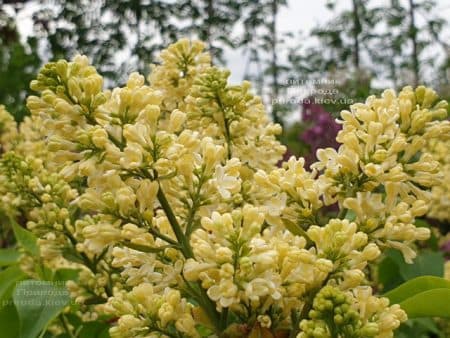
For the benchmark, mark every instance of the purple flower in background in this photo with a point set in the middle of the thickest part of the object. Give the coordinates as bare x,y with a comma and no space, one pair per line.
322,129
445,248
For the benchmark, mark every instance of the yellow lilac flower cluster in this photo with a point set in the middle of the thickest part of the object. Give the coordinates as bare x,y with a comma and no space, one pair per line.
440,194
23,139
380,172
8,130
47,203
146,313
167,197
350,314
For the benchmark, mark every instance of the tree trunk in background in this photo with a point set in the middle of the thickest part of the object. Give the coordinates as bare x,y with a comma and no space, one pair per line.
413,37
356,32
136,7
274,63
209,21
393,72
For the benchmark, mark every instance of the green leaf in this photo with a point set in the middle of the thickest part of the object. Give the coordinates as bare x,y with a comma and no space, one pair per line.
426,264
393,270
420,222
388,274
416,286
26,239
44,272
431,303
419,328
9,320
37,303
8,279
65,275
428,324
350,215
94,329
295,229
396,256
72,255
9,256
204,331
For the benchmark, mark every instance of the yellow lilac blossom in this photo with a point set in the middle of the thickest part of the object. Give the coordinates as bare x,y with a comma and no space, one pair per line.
8,130
380,172
168,199
352,314
440,194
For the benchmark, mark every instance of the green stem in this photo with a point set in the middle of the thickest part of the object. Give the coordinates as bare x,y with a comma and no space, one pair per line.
82,255
154,231
195,205
224,318
206,304
295,317
65,326
309,241
182,240
226,126
201,296
307,307
169,240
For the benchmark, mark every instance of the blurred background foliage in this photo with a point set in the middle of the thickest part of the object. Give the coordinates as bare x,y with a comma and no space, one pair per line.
364,46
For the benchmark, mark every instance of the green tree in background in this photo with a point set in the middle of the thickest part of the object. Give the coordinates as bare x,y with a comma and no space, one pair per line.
338,62
212,21
397,41
411,44
124,35
264,44
119,35
19,63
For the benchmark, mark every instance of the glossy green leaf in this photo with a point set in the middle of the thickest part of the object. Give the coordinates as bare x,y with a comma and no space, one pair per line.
37,303
416,286
26,239
9,256
431,303
8,279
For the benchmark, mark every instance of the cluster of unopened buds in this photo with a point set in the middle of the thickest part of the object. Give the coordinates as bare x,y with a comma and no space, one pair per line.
167,197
